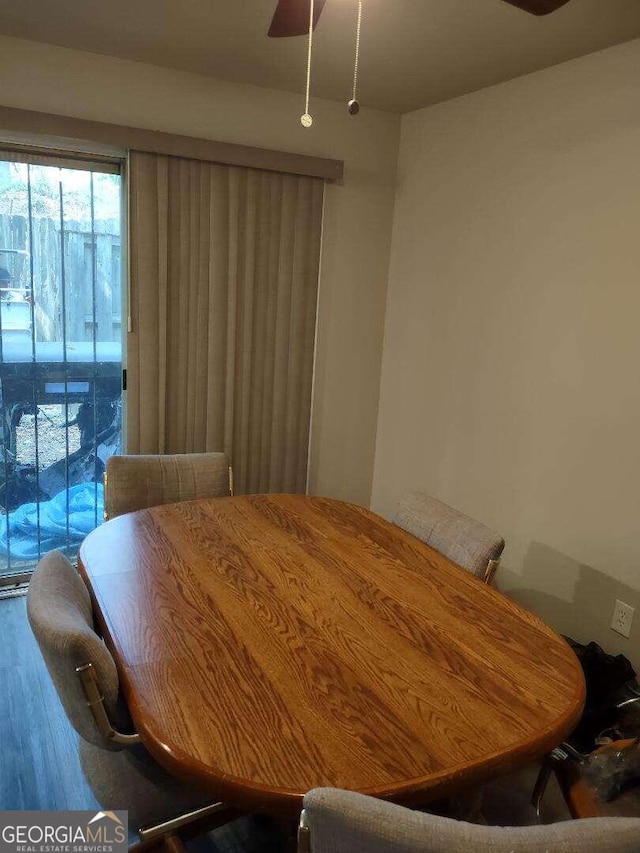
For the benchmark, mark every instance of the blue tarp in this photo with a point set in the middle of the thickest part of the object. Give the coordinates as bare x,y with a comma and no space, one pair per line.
85,502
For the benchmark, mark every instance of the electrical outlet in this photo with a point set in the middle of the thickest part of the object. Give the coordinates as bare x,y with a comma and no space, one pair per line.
622,618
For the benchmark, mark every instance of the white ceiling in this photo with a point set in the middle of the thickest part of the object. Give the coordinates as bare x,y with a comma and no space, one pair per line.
414,52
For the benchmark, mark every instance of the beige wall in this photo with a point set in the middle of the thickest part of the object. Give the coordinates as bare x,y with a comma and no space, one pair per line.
510,381
357,229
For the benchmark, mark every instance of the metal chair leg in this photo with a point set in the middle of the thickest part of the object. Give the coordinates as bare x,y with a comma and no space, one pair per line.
304,834
541,784
560,753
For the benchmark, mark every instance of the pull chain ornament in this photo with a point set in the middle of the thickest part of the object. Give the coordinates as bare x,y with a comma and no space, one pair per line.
353,106
306,119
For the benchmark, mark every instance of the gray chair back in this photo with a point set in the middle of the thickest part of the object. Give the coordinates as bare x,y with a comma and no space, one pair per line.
467,542
138,482
345,822
60,615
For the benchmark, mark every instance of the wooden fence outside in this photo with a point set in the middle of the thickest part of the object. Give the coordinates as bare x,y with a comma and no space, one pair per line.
87,307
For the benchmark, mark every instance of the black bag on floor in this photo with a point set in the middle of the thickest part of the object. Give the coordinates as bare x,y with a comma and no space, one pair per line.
605,676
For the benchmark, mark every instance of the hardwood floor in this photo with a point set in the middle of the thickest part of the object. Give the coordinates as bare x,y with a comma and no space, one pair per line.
39,766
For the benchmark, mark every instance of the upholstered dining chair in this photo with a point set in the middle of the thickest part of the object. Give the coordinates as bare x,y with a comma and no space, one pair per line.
336,821
138,482
118,768
465,541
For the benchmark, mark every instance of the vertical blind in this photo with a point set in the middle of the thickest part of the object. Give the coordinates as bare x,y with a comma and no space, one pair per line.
224,278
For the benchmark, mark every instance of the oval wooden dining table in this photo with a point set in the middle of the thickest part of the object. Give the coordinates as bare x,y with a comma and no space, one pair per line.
271,644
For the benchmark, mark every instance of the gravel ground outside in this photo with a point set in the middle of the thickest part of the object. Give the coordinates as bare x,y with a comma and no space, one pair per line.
49,425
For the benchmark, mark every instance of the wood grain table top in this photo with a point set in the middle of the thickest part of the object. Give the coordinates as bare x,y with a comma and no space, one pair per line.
270,644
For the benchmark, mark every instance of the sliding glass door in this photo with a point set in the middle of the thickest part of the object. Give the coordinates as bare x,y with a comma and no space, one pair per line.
60,350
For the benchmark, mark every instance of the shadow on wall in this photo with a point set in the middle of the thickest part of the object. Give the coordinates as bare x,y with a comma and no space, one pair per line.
573,599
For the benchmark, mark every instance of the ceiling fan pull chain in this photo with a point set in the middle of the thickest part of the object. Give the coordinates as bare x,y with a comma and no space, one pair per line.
306,120
353,105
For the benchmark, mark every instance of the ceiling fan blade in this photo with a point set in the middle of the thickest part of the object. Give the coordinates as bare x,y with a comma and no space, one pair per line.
291,17
538,7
